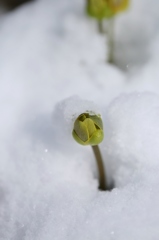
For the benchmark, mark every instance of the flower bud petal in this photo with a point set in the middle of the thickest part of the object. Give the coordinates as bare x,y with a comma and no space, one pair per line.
96,138
97,121
77,139
81,130
90,126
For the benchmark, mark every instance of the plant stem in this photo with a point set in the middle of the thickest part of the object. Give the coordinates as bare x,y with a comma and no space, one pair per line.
100,26
111,42
102,178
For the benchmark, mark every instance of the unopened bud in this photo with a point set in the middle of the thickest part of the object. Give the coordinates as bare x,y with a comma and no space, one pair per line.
88,129
105,8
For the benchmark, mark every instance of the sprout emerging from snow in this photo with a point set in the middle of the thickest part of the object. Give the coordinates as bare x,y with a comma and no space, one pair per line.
88,130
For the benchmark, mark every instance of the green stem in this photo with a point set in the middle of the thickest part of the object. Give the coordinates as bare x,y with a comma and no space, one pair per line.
102,178
111,40
100,26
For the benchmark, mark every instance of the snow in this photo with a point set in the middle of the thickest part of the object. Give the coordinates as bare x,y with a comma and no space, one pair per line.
52,68
140,131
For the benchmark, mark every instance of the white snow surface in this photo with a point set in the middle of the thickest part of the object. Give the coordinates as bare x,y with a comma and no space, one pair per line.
52,67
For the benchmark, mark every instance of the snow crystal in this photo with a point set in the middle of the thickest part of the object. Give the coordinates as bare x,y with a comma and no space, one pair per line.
72,107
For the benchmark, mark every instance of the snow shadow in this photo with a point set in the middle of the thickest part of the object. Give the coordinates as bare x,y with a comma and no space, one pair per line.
40,130
131,55
132,49
2,195
47,130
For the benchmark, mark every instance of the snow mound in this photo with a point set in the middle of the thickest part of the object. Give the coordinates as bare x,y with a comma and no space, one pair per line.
131,132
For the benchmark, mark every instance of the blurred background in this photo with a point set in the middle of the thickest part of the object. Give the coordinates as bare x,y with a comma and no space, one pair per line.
51,50
7,5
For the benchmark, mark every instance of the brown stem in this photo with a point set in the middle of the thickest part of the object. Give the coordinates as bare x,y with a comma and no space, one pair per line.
102,177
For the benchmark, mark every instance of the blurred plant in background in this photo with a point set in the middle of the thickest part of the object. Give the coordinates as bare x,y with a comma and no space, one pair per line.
106,9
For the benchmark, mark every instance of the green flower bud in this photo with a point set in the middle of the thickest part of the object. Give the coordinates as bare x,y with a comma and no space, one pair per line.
88,129
101,9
